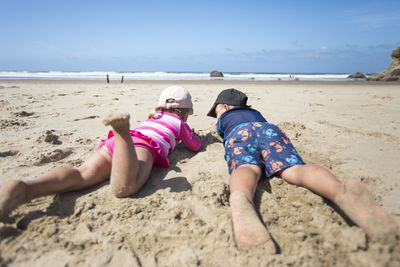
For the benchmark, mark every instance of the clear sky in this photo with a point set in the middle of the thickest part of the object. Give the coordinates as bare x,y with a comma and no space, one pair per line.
250,36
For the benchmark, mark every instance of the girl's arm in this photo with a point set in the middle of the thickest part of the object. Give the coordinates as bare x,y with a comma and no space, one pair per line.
189,138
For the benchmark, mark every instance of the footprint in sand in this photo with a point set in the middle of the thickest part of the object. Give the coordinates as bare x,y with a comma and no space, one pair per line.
23,114
370,105
83,141
90,105
380,135
8,153
87,118
53,156
11,124
385,97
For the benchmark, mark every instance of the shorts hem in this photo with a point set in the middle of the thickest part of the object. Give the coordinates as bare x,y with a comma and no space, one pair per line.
245,163
141,141
269,175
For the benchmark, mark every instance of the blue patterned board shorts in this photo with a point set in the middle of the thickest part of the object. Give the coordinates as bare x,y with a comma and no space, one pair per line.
260,143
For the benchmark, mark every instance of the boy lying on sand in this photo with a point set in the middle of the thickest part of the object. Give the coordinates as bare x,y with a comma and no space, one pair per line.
253,145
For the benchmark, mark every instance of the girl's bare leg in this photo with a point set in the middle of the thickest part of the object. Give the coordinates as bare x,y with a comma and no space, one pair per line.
130,170
94,170
131,166
247,227
352,197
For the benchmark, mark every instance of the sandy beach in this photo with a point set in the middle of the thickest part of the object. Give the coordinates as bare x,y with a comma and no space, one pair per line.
181,216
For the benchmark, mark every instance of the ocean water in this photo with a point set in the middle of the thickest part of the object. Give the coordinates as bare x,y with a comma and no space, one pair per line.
236,76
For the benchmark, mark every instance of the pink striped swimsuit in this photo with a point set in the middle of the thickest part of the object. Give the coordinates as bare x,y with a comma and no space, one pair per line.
159,135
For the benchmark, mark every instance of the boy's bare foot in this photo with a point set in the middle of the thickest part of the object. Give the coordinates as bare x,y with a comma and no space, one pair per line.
12,194
118,121
247,227
358,203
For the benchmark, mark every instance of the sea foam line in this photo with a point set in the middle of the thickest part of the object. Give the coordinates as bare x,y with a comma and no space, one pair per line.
96,75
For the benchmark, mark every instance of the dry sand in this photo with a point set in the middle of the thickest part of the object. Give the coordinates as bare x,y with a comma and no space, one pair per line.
181,216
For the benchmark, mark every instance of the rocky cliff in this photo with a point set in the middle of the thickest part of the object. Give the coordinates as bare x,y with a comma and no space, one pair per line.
392,73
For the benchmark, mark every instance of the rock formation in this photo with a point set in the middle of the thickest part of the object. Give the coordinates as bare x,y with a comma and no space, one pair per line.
392,73
216,73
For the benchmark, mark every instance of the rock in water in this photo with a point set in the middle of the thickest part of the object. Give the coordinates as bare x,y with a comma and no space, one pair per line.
357,75
392,73
216,73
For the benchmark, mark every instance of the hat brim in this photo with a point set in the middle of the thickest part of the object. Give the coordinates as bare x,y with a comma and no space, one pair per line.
212,113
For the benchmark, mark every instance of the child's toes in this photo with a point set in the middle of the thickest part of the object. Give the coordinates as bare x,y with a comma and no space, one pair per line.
118,121
116,118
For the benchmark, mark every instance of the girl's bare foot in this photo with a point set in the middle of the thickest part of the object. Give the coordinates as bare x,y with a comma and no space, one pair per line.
118,121
358,203
12,194
247,227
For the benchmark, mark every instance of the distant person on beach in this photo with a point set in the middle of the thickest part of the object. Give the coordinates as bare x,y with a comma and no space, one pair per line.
254,146
126,156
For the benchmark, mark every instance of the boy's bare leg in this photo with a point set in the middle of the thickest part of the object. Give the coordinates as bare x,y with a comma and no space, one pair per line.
359,204
130,166
94,170
12,194
247,227
352,197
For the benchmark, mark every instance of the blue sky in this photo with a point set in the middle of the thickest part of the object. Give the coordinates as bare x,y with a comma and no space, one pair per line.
252,36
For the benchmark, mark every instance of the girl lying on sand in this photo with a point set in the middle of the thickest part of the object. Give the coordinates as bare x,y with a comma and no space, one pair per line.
126,156
253,145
